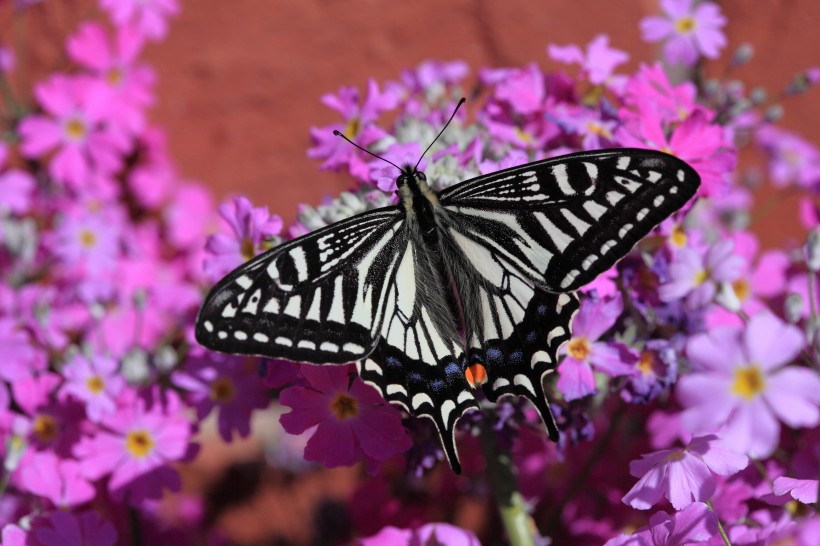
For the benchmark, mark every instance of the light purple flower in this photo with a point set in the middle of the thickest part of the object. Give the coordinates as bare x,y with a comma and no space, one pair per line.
598,63
690,29
74,123
250,227
385,174
684,475
584,351
695,523
95,381
227,383
58,480
792,159
804,491
149,16
63,529
695,275
352,421
438,534
741,385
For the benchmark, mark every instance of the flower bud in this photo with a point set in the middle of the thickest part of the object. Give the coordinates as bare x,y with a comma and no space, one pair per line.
742,55
727,297
793,307
135,367
773,113
811,250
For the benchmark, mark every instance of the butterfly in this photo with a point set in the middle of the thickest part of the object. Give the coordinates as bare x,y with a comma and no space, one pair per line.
449,291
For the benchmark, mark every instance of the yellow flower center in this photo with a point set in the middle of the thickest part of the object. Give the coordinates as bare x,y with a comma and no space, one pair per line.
741,288
95,384
88,238
139,443
523,135
678,237
597,129
247,250
676,456
75,129
578,348
685,25
222,390
353,127
646,364
749,382
344,406
115,76
45,427
702,276
667,150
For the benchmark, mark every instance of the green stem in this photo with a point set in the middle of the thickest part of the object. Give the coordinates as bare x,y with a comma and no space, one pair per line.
511,506
721,530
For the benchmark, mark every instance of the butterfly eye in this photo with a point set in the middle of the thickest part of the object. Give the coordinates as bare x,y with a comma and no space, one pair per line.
421,176
401,181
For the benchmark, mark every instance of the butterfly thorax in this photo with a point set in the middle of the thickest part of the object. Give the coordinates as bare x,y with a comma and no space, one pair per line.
420,202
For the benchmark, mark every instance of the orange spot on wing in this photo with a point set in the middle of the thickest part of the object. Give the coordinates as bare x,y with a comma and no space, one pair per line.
476,375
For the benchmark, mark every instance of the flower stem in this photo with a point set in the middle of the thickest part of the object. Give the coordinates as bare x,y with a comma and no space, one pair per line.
721,530
511,506
136,529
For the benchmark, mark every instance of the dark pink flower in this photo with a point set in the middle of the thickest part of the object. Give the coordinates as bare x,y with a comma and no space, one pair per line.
683,476
58,480
352,421
695,523
584,351
742,385
21,357
230,384
64,529
73,124
651,86
16,187
690,29
148,16
135,445
95,381
597,64
250,227
432,534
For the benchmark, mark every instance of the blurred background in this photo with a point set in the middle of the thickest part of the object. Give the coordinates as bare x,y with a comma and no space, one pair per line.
239,86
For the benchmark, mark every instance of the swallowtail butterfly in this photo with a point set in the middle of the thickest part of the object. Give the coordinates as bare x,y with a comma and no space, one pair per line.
473,285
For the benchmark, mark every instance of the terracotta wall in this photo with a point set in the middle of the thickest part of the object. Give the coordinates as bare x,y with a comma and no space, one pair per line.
240,81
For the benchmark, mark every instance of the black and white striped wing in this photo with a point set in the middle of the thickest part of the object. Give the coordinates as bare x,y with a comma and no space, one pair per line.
317,299
523,239
563,221
418,360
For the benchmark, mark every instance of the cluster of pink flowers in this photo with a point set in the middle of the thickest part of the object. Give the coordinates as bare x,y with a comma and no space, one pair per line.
688,396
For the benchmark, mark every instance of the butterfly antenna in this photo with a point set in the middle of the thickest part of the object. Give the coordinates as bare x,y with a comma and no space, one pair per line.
340,134
462,101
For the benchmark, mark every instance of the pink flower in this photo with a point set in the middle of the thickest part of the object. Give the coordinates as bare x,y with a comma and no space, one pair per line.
251,226
64,529
359,125
16,187
149,16
742,386
584,350
352,421
651,86
792,159
683,476
522,89
95,381
438,534
21,358
385,174
695,275
58,480
135,445
13,536
691,29
804,491
227,383
695,523
73,124
113,63
598,64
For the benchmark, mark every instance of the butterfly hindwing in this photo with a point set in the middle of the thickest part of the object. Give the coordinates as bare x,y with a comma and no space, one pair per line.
314,299
563,221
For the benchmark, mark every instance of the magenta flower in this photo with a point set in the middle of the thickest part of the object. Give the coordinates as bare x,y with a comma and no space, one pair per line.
792,159
58,480
74,124
595,132
597,64
651,86
385,174
742,385
149,16
13,536
522,89
690,29
113,63
683,476
695,523
359,126
227,383
584,351
16,187
135,445
804,491
352,421
432,534
695,275
95,381
251,226
21,358
63,529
